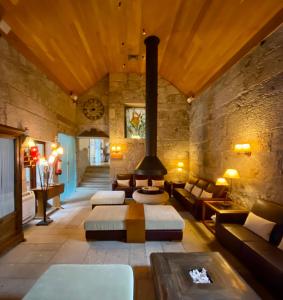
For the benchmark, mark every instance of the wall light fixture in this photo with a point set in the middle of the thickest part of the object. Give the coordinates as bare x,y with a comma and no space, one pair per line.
116,152
243,149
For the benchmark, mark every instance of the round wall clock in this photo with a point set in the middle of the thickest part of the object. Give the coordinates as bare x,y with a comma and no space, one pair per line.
93,109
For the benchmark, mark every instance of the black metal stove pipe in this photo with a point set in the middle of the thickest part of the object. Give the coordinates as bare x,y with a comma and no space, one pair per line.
150,165
151,43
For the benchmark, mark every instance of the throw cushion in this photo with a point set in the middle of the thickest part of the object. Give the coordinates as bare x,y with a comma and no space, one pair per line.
141,182
281,245
159,183
259,226
196,191
124,183
206,194
188,186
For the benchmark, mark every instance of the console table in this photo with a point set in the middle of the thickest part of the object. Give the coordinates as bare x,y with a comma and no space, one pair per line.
42,196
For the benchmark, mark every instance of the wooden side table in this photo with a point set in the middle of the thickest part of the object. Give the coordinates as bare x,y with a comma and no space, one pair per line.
224,210
176,184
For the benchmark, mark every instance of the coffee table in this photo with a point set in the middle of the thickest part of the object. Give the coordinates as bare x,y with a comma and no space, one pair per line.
173,282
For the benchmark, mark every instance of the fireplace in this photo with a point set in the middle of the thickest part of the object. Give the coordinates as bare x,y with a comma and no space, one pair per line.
150,165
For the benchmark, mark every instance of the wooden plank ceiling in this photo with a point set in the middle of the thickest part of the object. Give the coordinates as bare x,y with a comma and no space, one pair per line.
77,42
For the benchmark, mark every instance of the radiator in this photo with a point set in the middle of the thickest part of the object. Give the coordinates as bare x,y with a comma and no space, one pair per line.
28,200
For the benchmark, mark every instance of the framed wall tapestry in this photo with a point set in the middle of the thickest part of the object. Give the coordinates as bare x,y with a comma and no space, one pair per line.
135,122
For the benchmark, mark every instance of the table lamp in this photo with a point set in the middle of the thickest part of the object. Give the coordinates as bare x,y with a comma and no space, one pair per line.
222,182
231,174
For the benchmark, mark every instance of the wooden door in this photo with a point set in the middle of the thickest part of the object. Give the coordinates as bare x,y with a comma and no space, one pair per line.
11,231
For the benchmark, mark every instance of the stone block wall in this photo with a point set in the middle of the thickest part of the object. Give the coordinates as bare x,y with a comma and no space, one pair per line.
244,105
173,129
28,99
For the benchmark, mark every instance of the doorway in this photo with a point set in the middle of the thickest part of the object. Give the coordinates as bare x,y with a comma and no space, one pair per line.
69,170
93,151
98,151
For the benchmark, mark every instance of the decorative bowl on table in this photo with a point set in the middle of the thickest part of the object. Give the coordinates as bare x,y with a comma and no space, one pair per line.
150,190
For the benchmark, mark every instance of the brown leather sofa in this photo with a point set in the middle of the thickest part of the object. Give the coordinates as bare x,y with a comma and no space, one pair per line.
132,177
262,257
194,204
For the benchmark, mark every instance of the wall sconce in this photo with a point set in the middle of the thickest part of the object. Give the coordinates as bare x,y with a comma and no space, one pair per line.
243,149
180,166
116,152
28,143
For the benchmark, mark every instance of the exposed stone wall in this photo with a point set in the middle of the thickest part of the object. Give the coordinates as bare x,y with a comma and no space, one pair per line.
173,130
244,106
29,99
100,91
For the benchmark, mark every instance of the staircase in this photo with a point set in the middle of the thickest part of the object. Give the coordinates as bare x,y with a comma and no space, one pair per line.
96,178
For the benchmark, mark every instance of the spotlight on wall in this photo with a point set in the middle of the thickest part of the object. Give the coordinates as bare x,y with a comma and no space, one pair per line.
74,97
190,99
5,27
243,149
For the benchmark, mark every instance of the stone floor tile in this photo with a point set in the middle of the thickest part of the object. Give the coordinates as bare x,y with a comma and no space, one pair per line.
27,271
14,289
72,251
95,256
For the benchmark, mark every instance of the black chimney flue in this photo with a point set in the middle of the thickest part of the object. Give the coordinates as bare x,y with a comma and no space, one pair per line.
151,165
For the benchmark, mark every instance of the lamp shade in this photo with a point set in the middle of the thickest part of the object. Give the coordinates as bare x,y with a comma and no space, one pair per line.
221,181
231,173
180,164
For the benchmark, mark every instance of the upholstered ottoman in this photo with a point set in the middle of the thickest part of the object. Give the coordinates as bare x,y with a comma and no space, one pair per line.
84,282
162,222
108,198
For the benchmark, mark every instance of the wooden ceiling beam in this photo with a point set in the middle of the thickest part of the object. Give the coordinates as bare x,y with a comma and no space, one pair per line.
77,42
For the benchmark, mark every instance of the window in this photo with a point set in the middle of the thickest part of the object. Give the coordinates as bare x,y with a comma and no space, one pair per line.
135,122
7,177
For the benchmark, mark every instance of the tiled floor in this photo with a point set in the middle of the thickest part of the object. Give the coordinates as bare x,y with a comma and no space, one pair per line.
63,242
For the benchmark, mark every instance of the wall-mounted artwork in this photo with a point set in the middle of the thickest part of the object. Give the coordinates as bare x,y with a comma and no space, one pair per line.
135,122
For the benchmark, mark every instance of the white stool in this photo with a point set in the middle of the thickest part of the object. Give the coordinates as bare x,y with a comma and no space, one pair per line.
84,282
108,198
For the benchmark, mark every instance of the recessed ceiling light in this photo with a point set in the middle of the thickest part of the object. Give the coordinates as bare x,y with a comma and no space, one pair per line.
143,32
124,66
119,4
